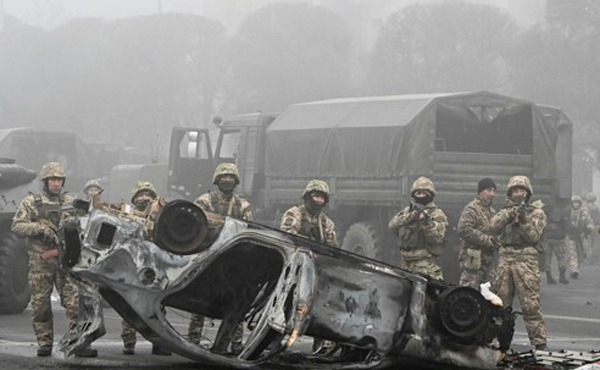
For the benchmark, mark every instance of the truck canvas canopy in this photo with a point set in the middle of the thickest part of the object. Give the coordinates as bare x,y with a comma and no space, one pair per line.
395,136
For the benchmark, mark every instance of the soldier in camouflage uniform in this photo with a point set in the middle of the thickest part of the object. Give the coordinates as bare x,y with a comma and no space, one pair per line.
37,219
519,227
146,206
223,202
555,243
308,220
477,248
594,212
421,228
581,226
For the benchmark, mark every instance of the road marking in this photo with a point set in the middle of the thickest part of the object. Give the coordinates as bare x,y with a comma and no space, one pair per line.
569,318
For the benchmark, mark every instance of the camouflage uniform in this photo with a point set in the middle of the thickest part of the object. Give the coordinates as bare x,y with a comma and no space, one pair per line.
147,214
581,226
421,242
476,254
594,212
518,268
36,217
555,244
226,204
314,225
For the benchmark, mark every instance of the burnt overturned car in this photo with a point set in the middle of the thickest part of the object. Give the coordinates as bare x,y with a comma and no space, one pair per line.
281,287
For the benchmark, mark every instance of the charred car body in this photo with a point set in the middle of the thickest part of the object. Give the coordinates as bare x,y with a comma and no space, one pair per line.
281,286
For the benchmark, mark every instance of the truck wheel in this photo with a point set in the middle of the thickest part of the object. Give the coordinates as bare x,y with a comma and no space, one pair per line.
14,266
362,239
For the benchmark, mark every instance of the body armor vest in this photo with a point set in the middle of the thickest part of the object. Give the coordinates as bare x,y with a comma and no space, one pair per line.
313,231
231,208
50,212
411,238
556,229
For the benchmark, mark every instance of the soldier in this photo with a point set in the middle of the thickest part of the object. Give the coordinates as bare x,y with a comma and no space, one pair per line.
520,226
477,248
307,219
37,219
421,228
223,202
146,205
581,226
92,188
594,212
556,243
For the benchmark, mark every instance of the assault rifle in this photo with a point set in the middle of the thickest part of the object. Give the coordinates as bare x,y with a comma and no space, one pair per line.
522,210
421,209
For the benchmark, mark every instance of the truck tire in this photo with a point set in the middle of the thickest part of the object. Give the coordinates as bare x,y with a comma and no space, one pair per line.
361,238
14,267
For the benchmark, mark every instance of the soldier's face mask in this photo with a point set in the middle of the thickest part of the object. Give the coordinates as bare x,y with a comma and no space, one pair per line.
423,197
226,184
518,195
315,202
142,201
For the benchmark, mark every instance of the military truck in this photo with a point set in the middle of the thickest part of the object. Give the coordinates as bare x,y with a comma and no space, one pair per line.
370,150
15,182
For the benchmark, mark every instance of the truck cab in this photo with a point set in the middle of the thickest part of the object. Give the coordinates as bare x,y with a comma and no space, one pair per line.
240,139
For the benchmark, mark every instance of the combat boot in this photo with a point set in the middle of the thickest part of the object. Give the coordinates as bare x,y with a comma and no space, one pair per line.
541,347
575,275
562,278
86,351
549,278
44,351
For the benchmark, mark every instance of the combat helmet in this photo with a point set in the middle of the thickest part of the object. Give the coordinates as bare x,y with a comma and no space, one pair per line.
576,198
52,169
519,182
226,169
590,197
91,183
422,183
317,185
142,186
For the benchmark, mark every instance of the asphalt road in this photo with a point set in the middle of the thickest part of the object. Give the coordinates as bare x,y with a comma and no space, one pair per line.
572,314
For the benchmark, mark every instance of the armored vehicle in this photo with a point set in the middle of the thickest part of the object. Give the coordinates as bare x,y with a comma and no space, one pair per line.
15,182
370,150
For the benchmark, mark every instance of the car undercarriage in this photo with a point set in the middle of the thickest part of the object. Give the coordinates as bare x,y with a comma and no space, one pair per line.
279,286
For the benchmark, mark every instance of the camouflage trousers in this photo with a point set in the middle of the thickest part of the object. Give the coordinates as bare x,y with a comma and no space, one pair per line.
558,248
589,245
128,332
473,278
197,325
128,335
43,277
571,255
427,266
519,274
